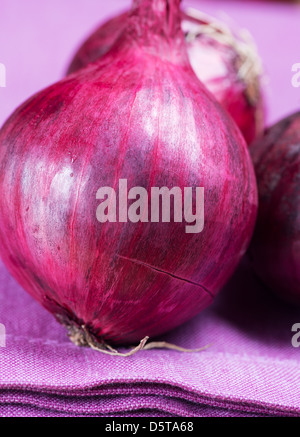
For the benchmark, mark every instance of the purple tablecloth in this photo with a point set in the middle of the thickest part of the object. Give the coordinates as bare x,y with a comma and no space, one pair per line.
251,368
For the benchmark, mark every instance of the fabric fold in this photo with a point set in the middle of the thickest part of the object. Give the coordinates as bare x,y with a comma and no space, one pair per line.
250,368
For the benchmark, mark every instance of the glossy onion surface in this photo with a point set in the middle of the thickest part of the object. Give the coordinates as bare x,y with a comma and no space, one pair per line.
275,249
139,113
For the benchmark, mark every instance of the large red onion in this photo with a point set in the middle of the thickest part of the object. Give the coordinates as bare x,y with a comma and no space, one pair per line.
139,113
275,250
225,62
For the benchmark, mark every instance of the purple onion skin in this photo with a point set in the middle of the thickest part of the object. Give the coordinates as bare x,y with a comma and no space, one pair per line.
214,62
275,249
139,113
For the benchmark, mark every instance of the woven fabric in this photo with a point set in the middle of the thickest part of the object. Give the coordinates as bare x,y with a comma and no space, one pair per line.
251,367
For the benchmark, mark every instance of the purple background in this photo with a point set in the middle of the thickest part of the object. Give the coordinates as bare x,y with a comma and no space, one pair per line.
37,39
251,367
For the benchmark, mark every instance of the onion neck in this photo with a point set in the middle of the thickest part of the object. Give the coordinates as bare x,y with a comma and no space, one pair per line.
161,17
155,25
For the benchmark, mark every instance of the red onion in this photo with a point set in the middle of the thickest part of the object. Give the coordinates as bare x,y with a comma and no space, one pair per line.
138,114
275,249
226,63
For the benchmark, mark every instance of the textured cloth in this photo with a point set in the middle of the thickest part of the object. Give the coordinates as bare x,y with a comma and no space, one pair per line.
251,367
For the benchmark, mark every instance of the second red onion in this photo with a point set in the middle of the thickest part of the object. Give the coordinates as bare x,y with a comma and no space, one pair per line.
275,249
227,63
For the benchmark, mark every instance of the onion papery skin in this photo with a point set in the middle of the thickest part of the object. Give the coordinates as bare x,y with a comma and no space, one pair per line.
275,249
227,65
139,113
